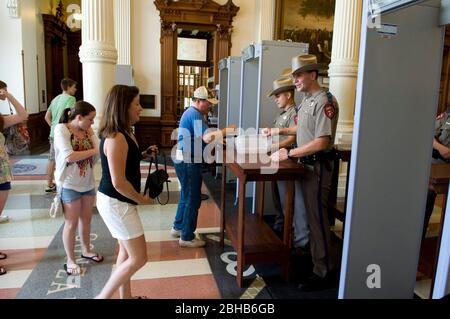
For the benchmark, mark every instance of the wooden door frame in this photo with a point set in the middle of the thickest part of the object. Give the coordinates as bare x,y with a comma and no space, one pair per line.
201,14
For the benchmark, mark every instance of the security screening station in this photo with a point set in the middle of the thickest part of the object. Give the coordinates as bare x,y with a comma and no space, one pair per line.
397,94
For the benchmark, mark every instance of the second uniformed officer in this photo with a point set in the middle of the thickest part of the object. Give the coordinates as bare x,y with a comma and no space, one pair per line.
284,92
316,130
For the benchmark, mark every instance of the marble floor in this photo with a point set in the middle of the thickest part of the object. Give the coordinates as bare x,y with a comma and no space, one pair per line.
169,272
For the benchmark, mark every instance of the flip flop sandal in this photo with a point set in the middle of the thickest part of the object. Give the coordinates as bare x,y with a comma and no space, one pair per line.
2,271
3,256
95,258
72,271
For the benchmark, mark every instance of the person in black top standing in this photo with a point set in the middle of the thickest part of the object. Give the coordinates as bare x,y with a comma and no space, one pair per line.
120,187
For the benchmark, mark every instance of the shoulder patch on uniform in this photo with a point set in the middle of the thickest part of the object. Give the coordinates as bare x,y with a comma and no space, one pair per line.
330,111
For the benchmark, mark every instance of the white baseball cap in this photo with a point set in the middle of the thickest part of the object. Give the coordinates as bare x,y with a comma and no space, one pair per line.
203,94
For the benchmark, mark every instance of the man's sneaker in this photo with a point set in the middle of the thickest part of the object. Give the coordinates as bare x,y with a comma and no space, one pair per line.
4,219
175,233
194,243
50,189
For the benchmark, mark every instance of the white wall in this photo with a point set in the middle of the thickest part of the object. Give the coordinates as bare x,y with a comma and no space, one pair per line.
146,51
146,48
11,55
245,24
28,17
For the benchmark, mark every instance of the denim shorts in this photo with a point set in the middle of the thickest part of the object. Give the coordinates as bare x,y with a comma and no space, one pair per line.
5,186
69,195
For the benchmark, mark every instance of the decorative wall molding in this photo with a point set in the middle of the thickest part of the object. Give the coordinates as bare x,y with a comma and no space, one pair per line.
105,54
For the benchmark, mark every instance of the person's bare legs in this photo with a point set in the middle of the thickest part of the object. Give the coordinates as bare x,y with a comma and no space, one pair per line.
71,216
51,173
87,203
3,198
125,289
137,258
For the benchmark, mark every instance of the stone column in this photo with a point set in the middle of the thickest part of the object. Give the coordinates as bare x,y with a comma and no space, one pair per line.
97,52
267,19
123,31
122,14
343,70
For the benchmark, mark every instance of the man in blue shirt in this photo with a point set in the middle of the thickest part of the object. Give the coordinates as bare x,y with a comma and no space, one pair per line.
192,139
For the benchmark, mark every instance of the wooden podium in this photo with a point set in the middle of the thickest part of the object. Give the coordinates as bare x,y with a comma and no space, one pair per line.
253,239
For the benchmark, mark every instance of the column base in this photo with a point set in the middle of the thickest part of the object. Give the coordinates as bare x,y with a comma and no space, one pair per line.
344,135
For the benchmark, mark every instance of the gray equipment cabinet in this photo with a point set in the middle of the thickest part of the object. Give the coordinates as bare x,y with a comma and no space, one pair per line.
263,63
391,152
229,96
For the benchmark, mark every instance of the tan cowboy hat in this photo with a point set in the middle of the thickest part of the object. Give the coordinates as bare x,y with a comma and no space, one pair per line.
203,94
282,85
305,63
286,73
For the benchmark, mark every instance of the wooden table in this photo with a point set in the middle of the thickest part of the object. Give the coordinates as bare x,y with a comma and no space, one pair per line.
439,179
253,239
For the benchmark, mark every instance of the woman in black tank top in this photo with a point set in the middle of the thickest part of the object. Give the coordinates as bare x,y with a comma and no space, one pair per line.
119,190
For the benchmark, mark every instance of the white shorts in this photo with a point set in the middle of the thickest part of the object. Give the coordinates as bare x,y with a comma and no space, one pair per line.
121,218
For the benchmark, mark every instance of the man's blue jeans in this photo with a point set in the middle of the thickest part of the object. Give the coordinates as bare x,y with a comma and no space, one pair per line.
190,177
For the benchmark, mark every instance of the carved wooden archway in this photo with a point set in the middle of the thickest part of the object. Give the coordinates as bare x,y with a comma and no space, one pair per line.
196,13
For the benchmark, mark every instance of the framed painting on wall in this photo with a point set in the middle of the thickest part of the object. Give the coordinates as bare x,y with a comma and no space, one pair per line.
307,21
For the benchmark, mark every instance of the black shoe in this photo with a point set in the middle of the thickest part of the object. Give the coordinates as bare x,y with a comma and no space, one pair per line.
316,283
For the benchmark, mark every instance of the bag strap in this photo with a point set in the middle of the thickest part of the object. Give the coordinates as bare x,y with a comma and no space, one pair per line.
167,182
10,108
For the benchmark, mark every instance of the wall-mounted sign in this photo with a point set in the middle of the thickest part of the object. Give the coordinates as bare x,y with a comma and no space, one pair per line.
192,49
388,31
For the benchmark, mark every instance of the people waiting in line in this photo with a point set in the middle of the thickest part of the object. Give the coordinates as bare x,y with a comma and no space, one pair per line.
5,168
188,165
317,122
63,101
284,93
76,152
120,187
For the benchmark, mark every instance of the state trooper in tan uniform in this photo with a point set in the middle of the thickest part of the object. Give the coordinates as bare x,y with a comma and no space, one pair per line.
316,130
284,93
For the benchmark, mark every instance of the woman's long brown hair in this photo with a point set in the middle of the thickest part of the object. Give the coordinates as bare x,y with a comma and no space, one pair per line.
115,114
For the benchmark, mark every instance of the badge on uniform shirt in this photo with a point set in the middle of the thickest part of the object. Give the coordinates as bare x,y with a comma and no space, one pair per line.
330,111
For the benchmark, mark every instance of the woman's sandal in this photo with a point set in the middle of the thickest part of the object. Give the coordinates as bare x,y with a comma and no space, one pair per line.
72,271
97,258
2,271
3,256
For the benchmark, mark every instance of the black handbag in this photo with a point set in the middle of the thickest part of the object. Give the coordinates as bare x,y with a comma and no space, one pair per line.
156,180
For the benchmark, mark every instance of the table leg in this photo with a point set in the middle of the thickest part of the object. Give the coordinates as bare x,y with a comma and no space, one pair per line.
260,196
223,207
288,217
288,214
241,231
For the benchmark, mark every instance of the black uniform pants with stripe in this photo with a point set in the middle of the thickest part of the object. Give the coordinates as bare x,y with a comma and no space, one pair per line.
316,189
